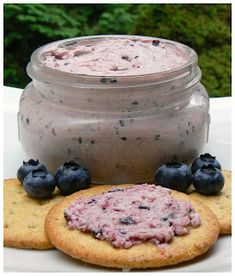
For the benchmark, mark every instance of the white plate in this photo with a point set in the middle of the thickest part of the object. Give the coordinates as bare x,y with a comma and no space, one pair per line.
217,259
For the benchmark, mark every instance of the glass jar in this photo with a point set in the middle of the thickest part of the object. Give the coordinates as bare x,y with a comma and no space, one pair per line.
121,128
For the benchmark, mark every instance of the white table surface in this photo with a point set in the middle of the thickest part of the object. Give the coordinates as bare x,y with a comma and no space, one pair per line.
217,259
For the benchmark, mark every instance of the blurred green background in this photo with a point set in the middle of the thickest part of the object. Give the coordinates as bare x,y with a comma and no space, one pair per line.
204,27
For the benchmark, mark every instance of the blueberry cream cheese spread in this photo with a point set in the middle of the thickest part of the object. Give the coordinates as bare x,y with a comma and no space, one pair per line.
133,215
124,103
110,57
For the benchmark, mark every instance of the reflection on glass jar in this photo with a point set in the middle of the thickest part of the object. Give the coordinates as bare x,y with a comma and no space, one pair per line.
120,127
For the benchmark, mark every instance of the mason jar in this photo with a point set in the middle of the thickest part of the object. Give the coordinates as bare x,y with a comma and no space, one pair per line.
122,128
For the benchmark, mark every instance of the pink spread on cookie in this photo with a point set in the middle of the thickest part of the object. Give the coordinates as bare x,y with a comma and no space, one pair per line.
130,216
115,56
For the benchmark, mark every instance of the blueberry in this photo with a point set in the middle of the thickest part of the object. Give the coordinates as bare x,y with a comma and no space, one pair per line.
176,176
208,180
204,159
72,177
28,167
39,183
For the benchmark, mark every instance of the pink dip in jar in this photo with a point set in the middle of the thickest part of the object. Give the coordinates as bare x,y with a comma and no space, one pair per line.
120,105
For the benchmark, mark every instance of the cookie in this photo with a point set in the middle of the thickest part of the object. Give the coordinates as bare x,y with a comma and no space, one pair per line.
219,204
24,217
85,247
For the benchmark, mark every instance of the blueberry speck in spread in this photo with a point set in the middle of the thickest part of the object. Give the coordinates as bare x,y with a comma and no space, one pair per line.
125,223
92,201
156,42
53,131
96,233
144,207
157,137
103,80
113,81
169,216
66,216
122,123
116,190
126,58
108,80
127,220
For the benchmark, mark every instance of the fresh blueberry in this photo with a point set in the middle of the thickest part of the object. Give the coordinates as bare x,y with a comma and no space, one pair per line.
204,159
39,183
208,180
72,177
176,176
28,167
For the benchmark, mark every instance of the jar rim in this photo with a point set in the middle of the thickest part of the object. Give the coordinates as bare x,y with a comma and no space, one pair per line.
38,70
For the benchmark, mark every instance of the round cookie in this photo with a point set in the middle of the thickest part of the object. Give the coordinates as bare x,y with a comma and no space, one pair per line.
85,247
24,217
219,204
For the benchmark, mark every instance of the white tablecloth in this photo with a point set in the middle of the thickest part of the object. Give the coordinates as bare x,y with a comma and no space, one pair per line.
218,259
